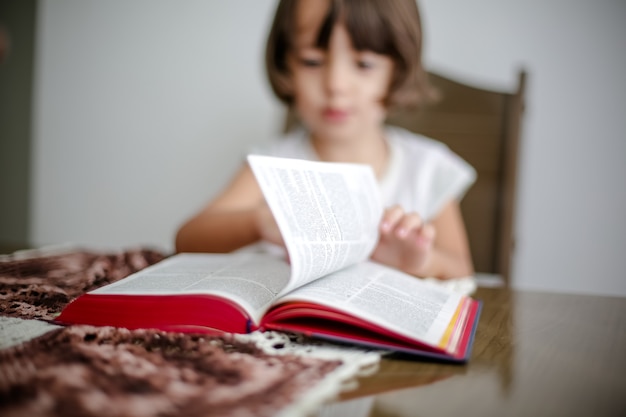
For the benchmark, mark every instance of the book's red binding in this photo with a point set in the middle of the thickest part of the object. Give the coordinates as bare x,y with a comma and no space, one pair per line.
190,314
186,314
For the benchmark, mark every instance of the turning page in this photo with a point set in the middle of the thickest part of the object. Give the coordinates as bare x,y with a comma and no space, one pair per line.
327,213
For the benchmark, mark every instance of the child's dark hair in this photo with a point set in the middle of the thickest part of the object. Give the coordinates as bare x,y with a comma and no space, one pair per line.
387,27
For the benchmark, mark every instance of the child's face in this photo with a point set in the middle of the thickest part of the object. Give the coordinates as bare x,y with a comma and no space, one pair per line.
338,92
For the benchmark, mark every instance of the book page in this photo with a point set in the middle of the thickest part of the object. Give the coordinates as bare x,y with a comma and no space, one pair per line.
387,297
250,280
328,213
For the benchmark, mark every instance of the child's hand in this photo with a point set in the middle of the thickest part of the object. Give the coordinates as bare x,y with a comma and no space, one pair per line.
405,243
266,225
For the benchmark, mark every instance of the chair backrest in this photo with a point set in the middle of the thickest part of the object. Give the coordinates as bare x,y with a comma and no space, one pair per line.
483,127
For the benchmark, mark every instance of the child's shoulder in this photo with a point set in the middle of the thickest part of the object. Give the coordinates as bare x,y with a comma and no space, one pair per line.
412,142
294,144
425,152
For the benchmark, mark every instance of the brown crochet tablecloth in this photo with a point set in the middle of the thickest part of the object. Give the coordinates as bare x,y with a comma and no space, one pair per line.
104,371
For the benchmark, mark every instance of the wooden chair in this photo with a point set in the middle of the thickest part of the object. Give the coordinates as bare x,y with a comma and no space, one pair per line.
483,127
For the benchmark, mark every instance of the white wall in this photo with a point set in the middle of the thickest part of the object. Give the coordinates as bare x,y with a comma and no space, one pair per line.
143,111
144,108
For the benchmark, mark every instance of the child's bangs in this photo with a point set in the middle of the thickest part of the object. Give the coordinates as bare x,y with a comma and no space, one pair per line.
363,22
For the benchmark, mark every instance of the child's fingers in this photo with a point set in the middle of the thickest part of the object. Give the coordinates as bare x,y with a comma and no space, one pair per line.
407,227
409,223
429,231
426,235
391,217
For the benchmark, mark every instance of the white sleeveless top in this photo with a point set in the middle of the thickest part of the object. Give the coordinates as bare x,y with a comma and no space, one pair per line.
422,175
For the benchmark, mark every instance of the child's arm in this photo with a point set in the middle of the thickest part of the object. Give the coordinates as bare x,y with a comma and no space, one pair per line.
436,249
235,218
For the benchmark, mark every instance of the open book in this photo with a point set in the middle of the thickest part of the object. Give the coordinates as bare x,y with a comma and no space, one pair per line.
328,215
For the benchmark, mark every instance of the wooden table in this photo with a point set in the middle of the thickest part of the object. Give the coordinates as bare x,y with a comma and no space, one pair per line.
535,354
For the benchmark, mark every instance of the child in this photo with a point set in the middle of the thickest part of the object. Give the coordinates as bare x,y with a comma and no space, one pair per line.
341,65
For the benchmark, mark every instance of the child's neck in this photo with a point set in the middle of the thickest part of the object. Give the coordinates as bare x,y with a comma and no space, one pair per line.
372,150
